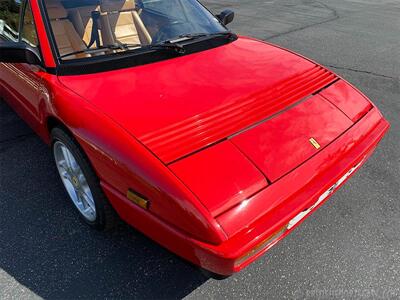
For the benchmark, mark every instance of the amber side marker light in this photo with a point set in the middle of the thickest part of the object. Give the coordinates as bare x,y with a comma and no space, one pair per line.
315,143
138,199
261,246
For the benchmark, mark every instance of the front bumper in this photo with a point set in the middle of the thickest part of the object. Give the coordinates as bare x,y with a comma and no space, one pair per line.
295,197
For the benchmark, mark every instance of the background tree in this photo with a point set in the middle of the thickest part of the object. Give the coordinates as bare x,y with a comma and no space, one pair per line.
9,12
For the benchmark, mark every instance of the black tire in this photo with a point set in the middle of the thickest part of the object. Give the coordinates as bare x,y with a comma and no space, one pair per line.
106,217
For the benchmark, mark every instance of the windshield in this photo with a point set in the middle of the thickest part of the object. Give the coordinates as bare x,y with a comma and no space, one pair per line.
88,28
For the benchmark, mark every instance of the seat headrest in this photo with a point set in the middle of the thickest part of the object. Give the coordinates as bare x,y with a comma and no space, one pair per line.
117,5
56,10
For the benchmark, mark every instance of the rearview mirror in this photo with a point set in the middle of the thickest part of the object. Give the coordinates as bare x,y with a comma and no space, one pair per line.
18,52
226,16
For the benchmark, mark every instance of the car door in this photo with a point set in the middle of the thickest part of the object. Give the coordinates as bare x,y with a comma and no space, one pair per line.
21,84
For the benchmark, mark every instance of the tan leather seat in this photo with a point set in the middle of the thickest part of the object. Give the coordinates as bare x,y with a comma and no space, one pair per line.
121,22
66,37
81,18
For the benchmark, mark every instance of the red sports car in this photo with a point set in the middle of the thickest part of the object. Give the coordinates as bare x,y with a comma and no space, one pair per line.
215,146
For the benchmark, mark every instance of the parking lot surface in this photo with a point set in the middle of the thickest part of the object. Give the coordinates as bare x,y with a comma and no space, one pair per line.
350,248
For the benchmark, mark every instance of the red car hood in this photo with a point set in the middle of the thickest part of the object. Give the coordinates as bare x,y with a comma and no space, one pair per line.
178,106
255,103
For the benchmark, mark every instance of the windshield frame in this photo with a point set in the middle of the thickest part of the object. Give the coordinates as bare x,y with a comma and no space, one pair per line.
125,59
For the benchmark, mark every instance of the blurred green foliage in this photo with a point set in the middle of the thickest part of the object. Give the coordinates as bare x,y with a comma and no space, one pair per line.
9,12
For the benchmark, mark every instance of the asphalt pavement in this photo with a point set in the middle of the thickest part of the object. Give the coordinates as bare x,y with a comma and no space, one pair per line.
348,249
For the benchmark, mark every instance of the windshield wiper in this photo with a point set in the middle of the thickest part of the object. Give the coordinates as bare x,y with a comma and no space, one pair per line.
191,36
97,50
185,37
227,34
167,46
127,47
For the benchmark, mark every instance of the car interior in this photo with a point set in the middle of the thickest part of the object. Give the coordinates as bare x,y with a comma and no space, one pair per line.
119,21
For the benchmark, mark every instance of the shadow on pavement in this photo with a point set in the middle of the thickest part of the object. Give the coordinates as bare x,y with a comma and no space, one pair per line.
45,247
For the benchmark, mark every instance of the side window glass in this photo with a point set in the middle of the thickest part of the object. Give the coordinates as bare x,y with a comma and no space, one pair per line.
9,19
28,34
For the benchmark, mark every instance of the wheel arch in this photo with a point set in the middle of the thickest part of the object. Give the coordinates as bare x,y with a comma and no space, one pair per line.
53,122
122,163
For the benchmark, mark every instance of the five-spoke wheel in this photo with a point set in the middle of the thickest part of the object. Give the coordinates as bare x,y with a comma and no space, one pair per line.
80,181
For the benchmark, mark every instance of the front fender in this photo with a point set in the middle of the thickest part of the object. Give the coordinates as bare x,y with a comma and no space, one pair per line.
123,163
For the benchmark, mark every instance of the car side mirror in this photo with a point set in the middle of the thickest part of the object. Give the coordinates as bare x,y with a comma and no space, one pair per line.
18,52
226,16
